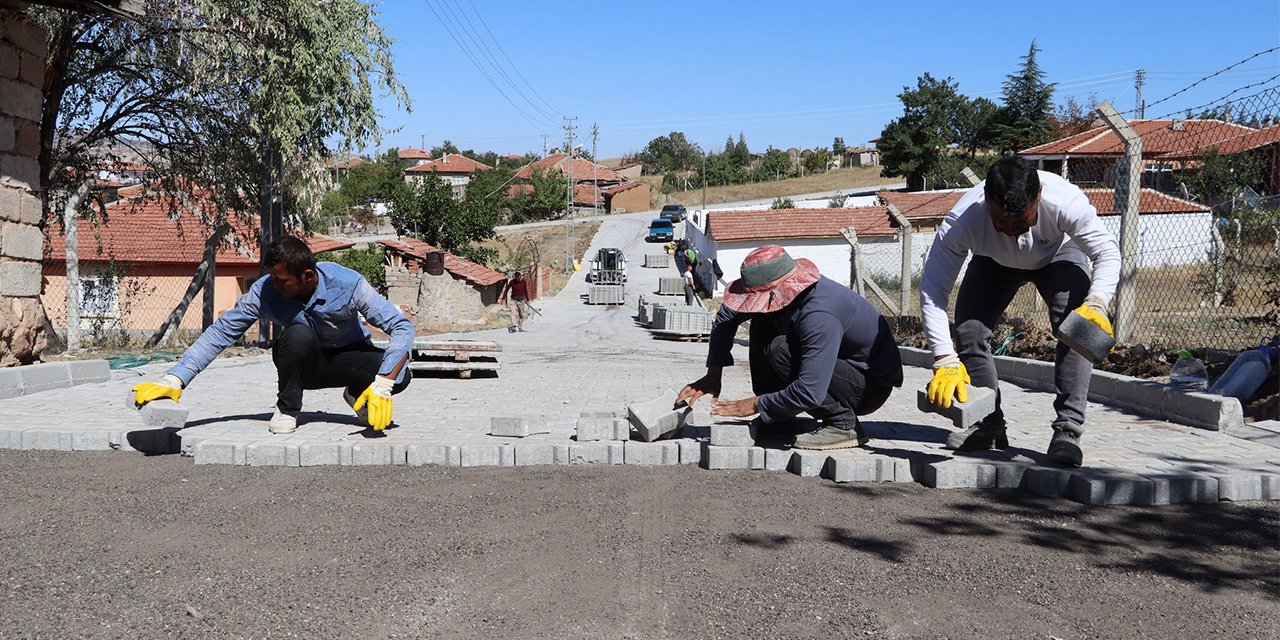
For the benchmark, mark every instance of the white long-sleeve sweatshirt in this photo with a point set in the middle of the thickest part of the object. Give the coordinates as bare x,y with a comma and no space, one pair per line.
1067,228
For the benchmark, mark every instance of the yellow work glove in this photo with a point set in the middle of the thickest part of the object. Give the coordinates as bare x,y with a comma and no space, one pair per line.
949,379
1095,311
378,397
168,386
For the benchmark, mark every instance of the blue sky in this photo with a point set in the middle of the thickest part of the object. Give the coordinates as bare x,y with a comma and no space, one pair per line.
785,74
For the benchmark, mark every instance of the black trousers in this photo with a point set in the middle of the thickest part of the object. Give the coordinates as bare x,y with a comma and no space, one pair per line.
774,365
301,363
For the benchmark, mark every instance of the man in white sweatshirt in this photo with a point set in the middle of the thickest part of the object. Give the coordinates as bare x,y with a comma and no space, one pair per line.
1020,225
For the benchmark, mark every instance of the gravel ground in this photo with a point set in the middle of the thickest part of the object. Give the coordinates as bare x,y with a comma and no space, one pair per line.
114,545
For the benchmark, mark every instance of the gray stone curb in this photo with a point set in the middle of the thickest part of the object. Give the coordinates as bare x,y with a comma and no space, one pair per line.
1136,395
47,376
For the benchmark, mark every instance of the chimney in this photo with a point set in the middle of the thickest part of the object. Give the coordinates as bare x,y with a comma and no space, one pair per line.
445,159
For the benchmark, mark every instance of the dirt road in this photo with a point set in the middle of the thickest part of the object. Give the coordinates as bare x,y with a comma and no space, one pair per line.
112,545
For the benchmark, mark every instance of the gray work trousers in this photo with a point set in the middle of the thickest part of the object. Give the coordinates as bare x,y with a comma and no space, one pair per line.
986,291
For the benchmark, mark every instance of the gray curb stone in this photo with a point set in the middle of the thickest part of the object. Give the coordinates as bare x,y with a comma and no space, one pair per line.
731,434
596,453
719,458
807,463
650,453
592,429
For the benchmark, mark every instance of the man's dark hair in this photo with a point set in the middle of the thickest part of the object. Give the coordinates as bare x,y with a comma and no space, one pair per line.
1012,183
292,252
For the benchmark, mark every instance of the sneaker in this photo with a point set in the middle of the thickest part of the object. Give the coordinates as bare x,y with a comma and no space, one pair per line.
987,434
511,329
282,422
362,414
1064,449
780,432
830,437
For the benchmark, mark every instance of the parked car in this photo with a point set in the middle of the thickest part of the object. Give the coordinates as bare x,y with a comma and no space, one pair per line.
673,212
661,230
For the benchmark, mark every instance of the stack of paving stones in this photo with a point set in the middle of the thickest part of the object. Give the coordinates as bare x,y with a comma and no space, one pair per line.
685,319
657,260
647,308
605,294
670,286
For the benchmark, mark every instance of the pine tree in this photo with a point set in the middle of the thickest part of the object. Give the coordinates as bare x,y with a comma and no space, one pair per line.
1028,105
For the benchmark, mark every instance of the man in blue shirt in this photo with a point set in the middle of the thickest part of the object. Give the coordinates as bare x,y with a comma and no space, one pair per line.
323,345
816,347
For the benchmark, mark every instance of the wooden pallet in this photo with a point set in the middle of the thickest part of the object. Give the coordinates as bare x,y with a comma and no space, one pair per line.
679,336
463,356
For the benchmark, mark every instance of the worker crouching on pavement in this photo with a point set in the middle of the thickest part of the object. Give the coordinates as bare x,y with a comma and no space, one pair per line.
1021,225
816,347
323,344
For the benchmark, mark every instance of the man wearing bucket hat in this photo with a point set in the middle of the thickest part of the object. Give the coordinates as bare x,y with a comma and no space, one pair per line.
1021,225
816,347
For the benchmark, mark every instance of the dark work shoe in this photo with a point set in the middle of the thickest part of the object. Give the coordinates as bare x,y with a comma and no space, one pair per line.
830,437
1064,449
980,437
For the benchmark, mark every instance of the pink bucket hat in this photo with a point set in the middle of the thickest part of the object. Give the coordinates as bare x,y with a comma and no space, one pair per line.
770,281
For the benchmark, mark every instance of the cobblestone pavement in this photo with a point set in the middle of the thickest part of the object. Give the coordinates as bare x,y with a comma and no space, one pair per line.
577,358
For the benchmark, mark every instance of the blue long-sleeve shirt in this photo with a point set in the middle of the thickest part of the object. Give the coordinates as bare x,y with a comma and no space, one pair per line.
829,322
334,311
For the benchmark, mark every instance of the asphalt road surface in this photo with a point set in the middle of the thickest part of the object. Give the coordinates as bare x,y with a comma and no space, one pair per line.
121,545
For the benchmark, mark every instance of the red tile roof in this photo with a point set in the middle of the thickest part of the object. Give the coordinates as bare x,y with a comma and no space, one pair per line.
619,188
410,153
586,194
582,169
726,226
450,163
140,230
458,266
353,161
922,204
935,205
1174,138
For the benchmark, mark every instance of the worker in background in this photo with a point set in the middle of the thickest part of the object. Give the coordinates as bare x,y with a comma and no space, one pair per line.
1020,225
324,344
516,301
815,346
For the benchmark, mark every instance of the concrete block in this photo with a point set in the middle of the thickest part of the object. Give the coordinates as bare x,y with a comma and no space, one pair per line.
735,457
955,474
20,99
1104,386
11,438
421,454
506,456
163,412
19,279
21,241
1143,397
1110,487
90,441
650,453
1084,337
808,464
265,455
902,470
26,36
591,429
1205,410
30,211
481,455
777,459
670,286
658,419
215,453
732,434
1050,483
532,454
518,427
914,357
1009,475
691,451
597,412
656,260
1270,486
606,294
982,401
1182,488
560,454
10,383
852,468
322,454
86,371
597,453
621,429
370,454
1239,486
22,172
44,377
44,440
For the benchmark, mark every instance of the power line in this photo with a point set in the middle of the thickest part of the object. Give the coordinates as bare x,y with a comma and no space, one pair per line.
1215,73
508,58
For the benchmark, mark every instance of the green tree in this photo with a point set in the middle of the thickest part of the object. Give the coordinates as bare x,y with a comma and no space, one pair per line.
672,152
837,146
1028,105
427,210
372,181
367,262
1221,177
1072,117
817,161
782,203
914,144
547,198
741,156
975,120
775,164
445,146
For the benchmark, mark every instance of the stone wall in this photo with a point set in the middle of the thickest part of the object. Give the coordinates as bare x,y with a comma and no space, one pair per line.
438,303
22,69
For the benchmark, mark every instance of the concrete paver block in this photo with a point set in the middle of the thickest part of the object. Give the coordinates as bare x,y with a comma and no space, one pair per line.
86,371
265,455
90,441
592,429
777,459
806,463
852,468
1050,483
46,439
215,453
322,454
691,451
10,383
732,434
1110,487
1239,486
982,401
596,453
507,456
650,453
370,454
735,457
957,474
422,454
621,429
481,455
532,454
44,377
1183,488
511,427
162,412
1206,410
657,418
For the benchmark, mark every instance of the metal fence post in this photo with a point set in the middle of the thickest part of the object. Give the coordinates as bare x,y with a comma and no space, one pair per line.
1128,190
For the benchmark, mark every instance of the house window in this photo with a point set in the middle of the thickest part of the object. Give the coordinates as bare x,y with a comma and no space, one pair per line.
99,296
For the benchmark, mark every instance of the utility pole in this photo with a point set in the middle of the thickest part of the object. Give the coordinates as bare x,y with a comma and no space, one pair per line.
1139,79
422,141
544,145
704,184
595,169
568,209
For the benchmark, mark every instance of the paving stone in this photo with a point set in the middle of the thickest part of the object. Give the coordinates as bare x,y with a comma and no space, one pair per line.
650,453
596,453
321,454
44,439
807,463
481,455
1050,483
657,419
597,412
592,429
902,470
1183,488
560,454
1206,410
10,383
691,451
506,456
1009,475
852,468
86,371
1110,487
447,455
982,401
512,427
1270,486
90,441
367,453
735,457
530,454
1239,486
731,434
957,474
214,453
44,377
266,455
622,429
777,459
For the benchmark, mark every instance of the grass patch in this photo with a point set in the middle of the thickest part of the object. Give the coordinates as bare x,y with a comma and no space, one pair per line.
847,179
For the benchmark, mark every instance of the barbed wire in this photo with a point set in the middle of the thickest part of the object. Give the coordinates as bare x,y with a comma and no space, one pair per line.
1201,80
